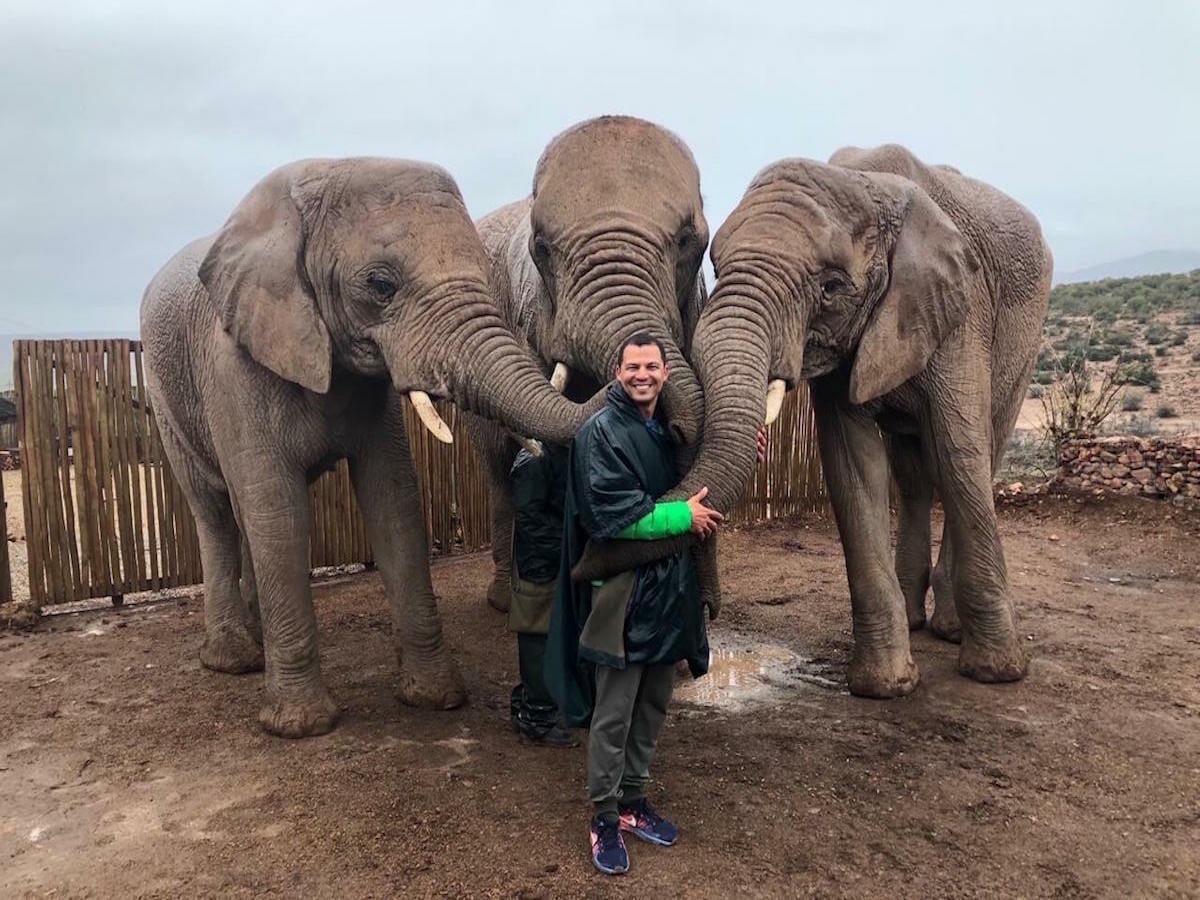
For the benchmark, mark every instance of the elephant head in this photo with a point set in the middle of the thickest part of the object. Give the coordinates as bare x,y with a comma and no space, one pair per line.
818,267
374,266
617,233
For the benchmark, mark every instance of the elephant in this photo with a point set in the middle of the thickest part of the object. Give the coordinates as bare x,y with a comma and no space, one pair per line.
912,299
287,341
608,243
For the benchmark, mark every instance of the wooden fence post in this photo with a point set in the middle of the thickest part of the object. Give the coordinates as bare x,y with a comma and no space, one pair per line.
6,592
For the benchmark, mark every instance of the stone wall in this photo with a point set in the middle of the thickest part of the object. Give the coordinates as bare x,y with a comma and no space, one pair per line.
1152,467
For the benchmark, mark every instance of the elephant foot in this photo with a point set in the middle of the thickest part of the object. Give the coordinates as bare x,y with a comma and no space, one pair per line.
499,595
233,650
308,715
435,684
945,624
916,617
992,664
883,675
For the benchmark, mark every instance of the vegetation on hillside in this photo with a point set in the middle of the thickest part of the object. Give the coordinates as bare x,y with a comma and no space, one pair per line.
1131,322
1138,299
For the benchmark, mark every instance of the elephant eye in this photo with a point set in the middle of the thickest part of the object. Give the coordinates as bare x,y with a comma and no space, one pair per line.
541,250
833,283
381,286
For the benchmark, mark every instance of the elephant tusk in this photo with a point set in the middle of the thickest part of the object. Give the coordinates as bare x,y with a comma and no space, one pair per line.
534,447
558,380
775,391
430,418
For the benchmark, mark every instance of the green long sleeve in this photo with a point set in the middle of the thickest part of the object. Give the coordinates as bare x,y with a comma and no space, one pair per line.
665,520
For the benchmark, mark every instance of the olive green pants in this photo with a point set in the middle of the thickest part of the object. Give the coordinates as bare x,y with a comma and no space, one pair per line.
631,705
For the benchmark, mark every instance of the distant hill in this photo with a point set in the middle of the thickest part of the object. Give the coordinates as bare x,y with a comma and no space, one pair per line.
1153,263
6,347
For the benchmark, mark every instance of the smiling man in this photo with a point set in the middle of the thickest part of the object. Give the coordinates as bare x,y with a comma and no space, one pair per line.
613,645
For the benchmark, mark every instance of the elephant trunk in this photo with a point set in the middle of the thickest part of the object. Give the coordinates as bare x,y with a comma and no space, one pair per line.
624,289
483,369
732,350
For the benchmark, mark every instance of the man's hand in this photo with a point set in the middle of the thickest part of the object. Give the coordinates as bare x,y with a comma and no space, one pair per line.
762,444
704,519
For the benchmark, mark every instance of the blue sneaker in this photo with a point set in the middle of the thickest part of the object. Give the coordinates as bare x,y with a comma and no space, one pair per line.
608,847
642,821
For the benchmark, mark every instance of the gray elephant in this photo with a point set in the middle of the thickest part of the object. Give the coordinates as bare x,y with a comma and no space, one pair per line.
912,298
286,342
609,243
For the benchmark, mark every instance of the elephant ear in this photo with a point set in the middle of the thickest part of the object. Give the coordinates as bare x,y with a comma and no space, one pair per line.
931,268
253,272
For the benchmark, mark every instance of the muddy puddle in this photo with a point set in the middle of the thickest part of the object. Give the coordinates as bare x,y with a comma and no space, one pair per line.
743,672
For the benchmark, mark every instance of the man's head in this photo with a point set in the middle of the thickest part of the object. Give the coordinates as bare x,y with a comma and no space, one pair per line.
642,370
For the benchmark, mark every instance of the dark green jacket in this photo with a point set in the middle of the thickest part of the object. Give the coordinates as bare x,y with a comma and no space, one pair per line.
652,615
539,487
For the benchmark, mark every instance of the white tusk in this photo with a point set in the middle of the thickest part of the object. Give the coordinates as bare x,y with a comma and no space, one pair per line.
534,447
558,380
775,391
430,418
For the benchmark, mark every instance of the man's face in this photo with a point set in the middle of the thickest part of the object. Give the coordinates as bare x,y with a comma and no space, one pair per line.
642,373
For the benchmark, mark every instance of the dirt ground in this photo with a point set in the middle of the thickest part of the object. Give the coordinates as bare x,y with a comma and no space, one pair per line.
127,770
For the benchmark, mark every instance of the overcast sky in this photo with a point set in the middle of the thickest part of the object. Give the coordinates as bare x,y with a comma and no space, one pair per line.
129,128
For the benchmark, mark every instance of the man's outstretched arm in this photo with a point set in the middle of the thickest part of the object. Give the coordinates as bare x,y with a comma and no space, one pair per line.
674,517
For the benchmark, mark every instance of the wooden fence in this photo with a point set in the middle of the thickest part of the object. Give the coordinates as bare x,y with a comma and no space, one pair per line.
104,516
5,569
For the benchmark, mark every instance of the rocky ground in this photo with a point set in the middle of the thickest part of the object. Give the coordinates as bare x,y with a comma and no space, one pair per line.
127,770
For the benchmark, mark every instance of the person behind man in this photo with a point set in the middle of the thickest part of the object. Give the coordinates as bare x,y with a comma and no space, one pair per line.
538,488
634,627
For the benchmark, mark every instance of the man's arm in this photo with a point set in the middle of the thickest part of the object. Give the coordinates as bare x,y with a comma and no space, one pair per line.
674,517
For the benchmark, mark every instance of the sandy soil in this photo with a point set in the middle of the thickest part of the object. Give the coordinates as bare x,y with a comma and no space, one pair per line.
127,770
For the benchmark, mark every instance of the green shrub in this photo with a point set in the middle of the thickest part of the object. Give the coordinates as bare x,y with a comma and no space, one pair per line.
1101,353
1131,402
1196,356
1179,338
1119,337
1166,411
1036,391
1142,372
1161,350
1156,334
1128,357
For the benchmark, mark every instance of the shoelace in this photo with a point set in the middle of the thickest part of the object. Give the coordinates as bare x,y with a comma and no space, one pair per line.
607,834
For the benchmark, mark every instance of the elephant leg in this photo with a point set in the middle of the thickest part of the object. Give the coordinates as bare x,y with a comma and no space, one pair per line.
497,452
944,622
499,594
272,508
856,472
913,530
249,590
990,651
387,491
232,642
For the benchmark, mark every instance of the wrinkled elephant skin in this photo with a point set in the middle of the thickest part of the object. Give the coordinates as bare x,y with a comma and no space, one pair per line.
287,341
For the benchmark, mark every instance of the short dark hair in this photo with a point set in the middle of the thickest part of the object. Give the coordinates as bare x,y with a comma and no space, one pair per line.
641,339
